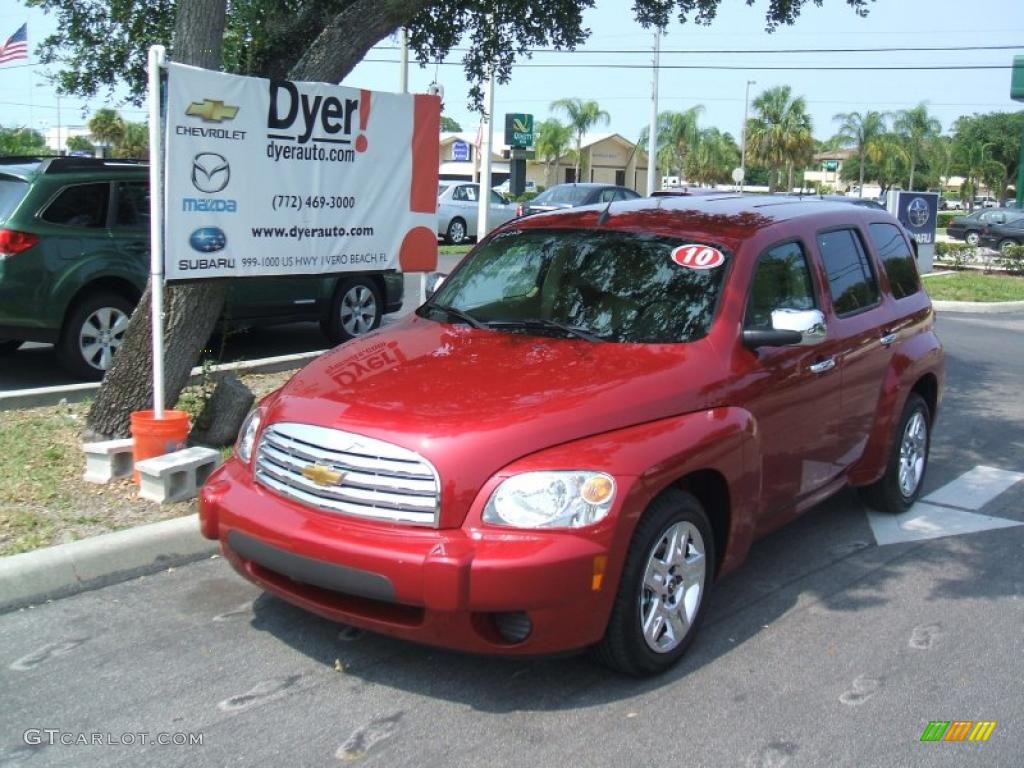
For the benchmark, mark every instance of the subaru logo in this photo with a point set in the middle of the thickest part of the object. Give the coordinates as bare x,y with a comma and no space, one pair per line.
918,213
208,239
210,172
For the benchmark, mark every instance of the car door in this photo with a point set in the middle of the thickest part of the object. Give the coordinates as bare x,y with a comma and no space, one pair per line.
130,227
501,210
467,205
792,391
864,322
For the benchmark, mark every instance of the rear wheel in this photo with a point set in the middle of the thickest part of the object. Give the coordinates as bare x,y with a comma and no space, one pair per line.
9,346
1006,245
93,333
457,233
664,586
356,310
901,484
972,238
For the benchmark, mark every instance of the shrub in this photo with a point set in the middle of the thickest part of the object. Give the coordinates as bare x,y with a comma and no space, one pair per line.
1012,260
947,216
954,254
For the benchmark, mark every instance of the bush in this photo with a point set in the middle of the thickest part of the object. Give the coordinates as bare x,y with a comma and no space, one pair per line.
1012,260
954,254
947,216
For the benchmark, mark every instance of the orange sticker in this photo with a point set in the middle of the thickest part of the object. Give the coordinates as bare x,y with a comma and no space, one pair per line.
698,257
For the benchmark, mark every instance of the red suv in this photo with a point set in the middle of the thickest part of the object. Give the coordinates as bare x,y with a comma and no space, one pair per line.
590,422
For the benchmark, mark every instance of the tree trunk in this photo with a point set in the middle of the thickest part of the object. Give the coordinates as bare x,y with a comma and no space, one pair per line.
913,164
861,182
192,310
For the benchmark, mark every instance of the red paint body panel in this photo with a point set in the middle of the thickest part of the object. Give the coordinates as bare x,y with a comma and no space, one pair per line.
482,405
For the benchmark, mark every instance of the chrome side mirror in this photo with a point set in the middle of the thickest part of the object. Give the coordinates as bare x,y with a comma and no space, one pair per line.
434,281
790,328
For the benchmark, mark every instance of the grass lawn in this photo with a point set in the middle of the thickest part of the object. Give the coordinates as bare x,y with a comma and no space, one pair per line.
454,248
43,498
974,286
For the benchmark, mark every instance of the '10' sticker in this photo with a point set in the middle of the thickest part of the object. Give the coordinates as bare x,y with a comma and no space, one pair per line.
698,256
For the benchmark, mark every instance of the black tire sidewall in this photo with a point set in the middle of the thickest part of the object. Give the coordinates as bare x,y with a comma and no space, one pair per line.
68,352
624,646
971,236
332,326
888,496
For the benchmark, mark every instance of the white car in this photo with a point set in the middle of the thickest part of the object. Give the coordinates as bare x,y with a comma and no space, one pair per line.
457,208
506,187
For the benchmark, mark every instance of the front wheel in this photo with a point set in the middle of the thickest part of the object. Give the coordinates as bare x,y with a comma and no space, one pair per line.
357,308
665,582
93,333
457,233
972,238
901,484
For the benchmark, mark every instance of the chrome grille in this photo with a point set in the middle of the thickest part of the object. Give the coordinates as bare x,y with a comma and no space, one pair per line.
380,480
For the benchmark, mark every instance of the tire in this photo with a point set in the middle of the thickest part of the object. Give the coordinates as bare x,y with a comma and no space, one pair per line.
901,484
972,238
1006,245
457,234
92,334
10,346
626,646
356,309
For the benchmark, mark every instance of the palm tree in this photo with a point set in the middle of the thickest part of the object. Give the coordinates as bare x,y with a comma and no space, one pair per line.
677,135
135,141
916,127
713,157
890,157
552,142
860,130
779,134
583,115
107,127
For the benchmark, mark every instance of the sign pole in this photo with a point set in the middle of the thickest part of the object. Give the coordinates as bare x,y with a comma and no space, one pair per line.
156,227
484,203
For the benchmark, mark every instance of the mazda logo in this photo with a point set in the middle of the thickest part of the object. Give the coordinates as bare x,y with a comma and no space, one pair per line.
210,172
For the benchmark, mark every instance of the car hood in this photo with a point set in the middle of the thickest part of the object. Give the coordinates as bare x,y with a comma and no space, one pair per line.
473,400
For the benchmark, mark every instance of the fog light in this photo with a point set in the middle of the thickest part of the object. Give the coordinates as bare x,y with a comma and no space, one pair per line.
514,627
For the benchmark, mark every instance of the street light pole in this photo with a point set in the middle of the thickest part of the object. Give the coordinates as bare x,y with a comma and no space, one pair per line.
652,134
743,134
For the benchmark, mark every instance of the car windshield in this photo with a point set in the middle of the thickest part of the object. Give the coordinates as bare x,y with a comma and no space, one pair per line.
566,194
11,192
608,285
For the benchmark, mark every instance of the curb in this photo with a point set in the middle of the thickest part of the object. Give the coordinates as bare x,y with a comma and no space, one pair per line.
979,307
66,569
73,393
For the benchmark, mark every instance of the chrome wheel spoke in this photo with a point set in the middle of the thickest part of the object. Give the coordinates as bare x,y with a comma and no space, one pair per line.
90,351
672,588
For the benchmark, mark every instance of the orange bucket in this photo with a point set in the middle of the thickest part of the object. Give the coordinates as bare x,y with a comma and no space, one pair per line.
155,437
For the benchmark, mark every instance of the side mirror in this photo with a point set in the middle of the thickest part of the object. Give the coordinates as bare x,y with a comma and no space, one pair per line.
790,328
434,281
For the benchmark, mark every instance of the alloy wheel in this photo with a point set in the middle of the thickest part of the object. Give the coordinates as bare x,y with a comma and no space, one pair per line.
673,586
913,454
358,310
101,335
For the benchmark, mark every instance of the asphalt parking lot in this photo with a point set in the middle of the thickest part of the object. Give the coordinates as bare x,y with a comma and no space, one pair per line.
827,648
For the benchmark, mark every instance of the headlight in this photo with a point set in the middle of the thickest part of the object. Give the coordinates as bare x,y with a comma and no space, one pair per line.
247,435
568,499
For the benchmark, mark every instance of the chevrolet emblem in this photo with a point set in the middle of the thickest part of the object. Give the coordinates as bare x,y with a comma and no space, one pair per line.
211,111
322,475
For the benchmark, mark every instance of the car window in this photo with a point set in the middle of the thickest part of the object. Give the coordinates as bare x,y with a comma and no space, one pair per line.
782,280
132,205
629,194
567,193
897,259
83,205
12,190
851,280
619,286
497,199
467,192
606,195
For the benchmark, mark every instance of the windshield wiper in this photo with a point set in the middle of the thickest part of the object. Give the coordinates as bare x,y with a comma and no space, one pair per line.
458,313
540,323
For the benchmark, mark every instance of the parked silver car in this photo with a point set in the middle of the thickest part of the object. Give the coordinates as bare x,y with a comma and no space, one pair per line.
457,208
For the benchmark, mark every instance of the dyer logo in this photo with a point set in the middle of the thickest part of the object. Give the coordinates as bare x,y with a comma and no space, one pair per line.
211,111
210,172
302,115
208,239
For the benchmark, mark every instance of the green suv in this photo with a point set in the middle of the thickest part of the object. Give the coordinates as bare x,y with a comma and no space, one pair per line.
74,260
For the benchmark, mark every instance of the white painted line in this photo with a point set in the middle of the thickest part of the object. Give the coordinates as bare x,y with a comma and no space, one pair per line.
975,489
926,521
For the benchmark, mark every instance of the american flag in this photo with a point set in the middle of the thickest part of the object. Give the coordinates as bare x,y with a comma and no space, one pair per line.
16,46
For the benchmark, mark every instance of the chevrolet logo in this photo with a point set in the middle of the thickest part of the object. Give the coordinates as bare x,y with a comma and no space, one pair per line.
322,475
211,111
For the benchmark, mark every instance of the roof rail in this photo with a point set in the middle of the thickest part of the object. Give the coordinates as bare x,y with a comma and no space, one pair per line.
20,159
70,164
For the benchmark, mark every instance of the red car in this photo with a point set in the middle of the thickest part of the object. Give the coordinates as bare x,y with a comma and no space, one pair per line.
588,424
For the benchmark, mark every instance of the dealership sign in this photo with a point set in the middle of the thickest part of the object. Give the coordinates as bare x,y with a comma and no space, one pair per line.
918,211
272,177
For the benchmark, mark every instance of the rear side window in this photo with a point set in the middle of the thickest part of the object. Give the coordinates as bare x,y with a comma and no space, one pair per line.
83,205
132,205
897,259
781,281
851,280
11,192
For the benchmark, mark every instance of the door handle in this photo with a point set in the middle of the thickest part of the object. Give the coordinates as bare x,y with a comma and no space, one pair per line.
823,366
888,339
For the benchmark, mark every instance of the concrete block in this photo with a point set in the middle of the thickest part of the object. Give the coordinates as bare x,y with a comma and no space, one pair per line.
107,460
176,476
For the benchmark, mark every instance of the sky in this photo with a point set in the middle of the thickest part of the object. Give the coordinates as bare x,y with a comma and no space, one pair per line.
625,93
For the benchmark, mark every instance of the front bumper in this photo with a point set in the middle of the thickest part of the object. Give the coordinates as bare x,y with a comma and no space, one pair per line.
455,588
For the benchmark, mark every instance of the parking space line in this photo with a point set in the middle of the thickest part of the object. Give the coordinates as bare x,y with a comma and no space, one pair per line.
974,489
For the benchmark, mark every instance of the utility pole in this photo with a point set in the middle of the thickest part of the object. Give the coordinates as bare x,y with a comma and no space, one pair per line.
486,142
652,134
404,77
743,134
